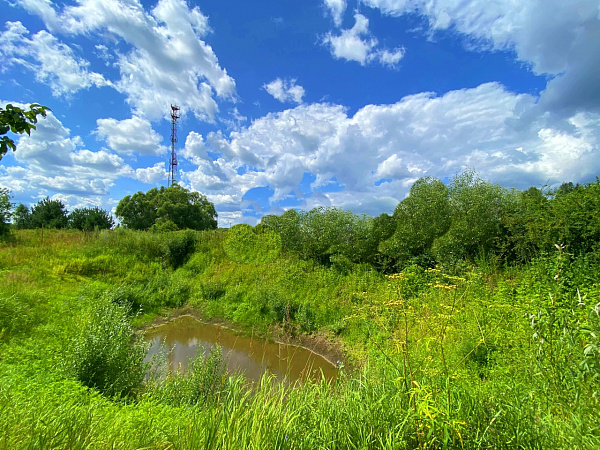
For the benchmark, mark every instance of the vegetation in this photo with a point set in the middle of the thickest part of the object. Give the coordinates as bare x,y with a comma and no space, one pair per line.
18,120
5,211
87,219
167,209
494,345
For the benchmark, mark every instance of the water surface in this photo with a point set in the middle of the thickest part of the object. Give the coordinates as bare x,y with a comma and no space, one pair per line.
185,336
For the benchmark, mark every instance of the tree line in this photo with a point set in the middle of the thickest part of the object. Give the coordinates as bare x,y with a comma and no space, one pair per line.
165,209
467,220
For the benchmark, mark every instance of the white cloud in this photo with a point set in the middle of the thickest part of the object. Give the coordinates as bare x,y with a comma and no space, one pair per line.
52,62
168,61
130,136
285,90
151,175
52,160
556,38
376,154
357,44
336,9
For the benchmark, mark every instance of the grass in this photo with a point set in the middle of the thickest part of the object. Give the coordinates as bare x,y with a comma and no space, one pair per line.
487,359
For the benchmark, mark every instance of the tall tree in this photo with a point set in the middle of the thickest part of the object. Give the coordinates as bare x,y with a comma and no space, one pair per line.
49,214
420,218
90,219
174,204
22,217
5,207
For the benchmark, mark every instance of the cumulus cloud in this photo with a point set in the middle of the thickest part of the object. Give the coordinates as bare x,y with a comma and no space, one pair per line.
336,9
285,90
375,155
130,136
556,38
52,160
151,175
167,59
51,61
357,44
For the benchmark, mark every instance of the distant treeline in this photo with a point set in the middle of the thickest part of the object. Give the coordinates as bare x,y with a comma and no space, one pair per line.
467,220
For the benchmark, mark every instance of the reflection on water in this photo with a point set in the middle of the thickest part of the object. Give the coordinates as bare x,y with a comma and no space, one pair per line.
185,336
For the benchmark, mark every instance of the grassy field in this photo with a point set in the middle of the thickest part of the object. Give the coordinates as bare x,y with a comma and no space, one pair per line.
480,358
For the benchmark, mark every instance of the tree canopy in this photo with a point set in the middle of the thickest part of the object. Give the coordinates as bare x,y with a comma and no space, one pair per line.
160,208
90,219
5,207
19,121
49,214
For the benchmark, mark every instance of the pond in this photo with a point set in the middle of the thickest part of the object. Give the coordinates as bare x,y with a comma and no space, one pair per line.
185,336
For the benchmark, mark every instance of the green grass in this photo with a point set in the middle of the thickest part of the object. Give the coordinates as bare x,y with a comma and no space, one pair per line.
493,358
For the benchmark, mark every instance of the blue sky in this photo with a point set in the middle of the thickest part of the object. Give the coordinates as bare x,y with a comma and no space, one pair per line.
295,103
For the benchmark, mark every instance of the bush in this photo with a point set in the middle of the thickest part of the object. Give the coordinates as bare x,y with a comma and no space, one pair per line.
180,246
105,354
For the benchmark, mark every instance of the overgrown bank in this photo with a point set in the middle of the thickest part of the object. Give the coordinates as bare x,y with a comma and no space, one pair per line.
484,358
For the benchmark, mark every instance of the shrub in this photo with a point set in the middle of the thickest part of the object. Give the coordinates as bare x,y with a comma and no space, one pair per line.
105,354
180,246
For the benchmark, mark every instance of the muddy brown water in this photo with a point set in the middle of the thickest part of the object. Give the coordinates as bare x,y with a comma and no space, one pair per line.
185,336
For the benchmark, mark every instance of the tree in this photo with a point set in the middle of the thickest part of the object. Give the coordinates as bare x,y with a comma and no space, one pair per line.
420,218
49,214
17,120
174,204
22,217
5,207
477,209
90,219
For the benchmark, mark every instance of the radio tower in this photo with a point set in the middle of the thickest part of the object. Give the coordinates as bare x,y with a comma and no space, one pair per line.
173,162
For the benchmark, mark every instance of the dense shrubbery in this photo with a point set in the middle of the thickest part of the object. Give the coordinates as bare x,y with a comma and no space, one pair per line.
105,354
468,220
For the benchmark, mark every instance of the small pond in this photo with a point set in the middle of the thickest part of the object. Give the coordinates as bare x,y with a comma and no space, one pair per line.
185,336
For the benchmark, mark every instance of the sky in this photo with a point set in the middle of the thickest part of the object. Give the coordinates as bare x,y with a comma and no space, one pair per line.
298,103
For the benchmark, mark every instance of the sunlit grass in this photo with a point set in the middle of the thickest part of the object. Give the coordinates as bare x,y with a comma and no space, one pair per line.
440,361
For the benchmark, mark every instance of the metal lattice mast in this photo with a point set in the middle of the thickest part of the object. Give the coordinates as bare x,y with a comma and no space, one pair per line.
173,161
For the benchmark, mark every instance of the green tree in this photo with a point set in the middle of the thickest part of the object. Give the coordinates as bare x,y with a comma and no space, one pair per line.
91,219
21,217
138,211
174,204
477,208
5,214
49,214
186,209
19,121
420,218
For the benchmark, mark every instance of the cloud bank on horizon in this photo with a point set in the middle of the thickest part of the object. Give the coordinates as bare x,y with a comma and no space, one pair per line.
337,103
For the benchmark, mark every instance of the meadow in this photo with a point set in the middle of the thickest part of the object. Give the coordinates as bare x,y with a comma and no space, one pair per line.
476,356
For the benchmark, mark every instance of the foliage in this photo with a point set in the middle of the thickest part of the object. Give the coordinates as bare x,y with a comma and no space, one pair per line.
49,214
5,214
174,205
19,121
203,382
422,217
87,219
179,246
21,217
245,244
477,208
105,354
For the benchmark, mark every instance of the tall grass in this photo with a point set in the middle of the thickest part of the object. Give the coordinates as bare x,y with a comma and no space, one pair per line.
486,358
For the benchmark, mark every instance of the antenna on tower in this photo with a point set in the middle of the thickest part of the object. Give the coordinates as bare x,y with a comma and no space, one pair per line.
173,161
